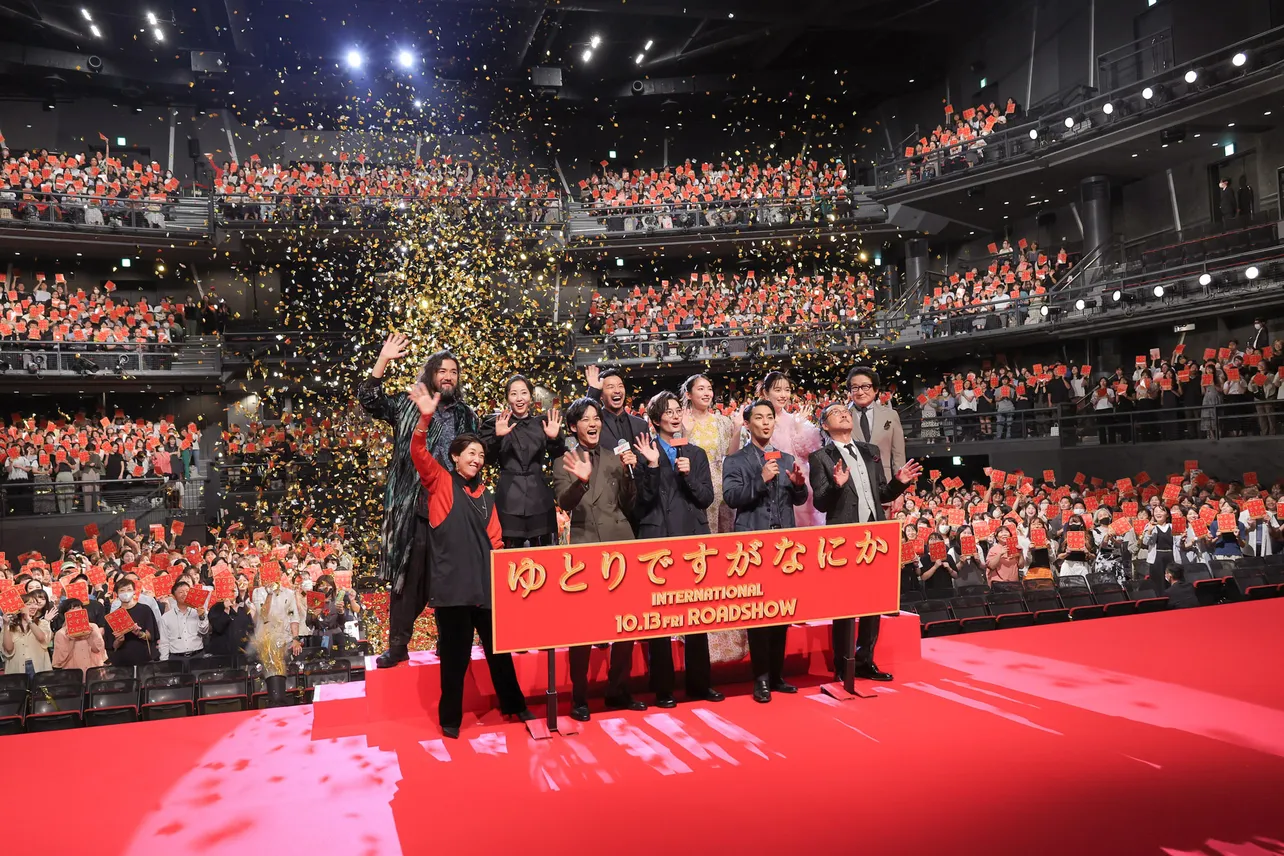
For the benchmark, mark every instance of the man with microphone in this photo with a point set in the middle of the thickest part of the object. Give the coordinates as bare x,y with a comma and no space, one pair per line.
763,485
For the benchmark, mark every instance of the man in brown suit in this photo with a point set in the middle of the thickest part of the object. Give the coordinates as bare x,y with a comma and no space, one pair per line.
874,422
593,485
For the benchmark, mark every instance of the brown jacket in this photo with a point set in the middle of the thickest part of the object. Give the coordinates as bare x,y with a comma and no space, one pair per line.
600,509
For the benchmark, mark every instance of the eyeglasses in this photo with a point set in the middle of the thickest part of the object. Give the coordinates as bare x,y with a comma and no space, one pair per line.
862,387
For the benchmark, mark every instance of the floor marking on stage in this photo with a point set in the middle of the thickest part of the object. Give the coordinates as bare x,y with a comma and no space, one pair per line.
672,728
492,743
641,745
979,705
968,686
888,690
436,748
1147,763
731,731
824,699
857,730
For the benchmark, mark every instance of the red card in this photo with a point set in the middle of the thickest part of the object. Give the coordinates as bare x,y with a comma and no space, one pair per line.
967,543
128,524
78,590
936,550
11,601
1139,526
956,516
1199,527
343,580
315,599
1226,522
1049,476
908,551
97,575
224,587
108,549
1179,524
90,546
65,542
91,530
1075,541
162,585
120,621
1250,478
1120,526
198,596
77,622
1191,466
269,574
1130,509
1013,548
158,531
1038,537
176,527
1256,509
1172,493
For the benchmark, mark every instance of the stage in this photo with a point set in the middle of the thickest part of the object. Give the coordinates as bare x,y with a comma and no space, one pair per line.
1144,734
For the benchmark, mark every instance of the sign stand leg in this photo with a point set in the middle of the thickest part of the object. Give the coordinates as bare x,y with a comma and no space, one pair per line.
846,691
543,729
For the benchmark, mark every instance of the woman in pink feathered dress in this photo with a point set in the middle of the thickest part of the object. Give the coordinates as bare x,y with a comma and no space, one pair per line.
796,434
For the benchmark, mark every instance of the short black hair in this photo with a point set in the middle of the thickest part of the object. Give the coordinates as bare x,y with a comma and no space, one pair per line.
658,404
867,371
579,409
463,441
755,404
1179,574
612,371
518,378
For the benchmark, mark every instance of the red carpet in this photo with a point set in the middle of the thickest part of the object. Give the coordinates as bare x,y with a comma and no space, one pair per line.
1149,734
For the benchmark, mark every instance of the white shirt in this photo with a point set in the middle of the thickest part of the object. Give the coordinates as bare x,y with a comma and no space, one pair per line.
1259,535
181,632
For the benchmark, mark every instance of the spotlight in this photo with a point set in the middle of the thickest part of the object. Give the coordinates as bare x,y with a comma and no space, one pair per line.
639,58
1043,310
405,59
1116,295
1148,93
151,18
1034,133
49,105
1205,279
354,58
121,362
648,44
1252,272
1191,76
1081,304
1108,108
587,55
419,105
97,33
85,14
1069,123
157,34
1159,291
595,41
83,366
1239,59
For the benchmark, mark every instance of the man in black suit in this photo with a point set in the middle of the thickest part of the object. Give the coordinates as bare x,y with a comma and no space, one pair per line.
607,386
763,485
848,485
1226,203
1261,336
674,491
1180,594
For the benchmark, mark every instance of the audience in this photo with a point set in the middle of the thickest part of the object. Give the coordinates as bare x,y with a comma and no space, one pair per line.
85,188
959,142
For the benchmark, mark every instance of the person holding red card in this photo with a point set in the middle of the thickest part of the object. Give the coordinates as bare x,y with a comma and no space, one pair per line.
1162,548
136,644
1226,534
183,628
24,642
79,643
463,530
1003,563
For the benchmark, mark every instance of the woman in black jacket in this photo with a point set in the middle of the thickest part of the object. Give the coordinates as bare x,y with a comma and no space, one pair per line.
232,623
520,442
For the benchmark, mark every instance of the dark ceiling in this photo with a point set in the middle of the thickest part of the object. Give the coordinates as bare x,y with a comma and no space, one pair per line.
284,60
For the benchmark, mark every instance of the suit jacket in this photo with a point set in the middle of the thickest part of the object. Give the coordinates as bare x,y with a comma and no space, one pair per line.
522,489
760,505
885,432
600,509
611,425
842,504
1260,339
671,504
1181,595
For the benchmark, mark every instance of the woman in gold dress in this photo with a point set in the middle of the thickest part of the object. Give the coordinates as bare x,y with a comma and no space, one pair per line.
718,436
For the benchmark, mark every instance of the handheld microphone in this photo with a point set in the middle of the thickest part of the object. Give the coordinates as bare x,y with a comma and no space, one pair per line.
620,448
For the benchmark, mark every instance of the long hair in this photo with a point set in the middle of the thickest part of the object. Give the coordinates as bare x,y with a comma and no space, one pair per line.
765,385
429,372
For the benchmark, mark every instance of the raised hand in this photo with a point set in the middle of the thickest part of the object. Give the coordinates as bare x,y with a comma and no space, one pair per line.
426,401
593,375
394,347
504,423
806,412
796,475
688,421
647,449
841,474
553,424
737,415
578,464
909,473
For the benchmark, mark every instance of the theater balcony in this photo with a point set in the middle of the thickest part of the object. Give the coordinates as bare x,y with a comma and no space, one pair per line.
192,366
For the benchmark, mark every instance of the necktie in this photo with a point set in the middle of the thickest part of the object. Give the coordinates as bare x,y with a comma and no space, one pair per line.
864,423
851,450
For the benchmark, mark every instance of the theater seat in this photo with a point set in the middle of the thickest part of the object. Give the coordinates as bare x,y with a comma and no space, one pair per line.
1141,593
972,614
1078,600
222,690
57,700
13,704
168,696
1249,584
936,620
1113,598
111,702
1046,606
1009,610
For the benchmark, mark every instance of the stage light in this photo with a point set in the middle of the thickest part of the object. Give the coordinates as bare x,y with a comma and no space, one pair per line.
1069,122
587,55
157,34
1239,59
419,105
49,105
640,57
405,59
354,58
97,33
1148,93
126,262
151,18
1034,133
1191,76
595,41
1252,272
1159,291
1116,295
1108,108
1081,304
648,44
1043,310
1205,279
85,14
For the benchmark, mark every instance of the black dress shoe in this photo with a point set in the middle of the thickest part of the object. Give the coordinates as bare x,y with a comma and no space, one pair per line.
782,687
392,657
624,703
524,715
761,693
580,712
667,702
451,731
707,695
872,673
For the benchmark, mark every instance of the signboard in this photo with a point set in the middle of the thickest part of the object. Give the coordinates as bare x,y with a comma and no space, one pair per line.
584,594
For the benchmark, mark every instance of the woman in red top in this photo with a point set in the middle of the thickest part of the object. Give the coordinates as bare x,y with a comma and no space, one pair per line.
463,528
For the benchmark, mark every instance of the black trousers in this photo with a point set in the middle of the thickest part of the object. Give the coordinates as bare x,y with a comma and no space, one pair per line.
455,626
1157,570
697,677
866,639
405,606
617,675
767,653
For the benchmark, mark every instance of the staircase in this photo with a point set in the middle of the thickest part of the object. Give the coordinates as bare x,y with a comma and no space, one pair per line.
191,214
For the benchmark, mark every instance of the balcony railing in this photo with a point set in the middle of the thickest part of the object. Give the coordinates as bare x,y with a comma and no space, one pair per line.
99,496
118,358
268,211
89,212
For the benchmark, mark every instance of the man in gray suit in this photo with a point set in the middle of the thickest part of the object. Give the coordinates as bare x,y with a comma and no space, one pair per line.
593,485
848,485
874,422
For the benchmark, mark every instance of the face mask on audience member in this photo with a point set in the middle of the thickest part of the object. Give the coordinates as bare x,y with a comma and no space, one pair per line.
126,595
944,529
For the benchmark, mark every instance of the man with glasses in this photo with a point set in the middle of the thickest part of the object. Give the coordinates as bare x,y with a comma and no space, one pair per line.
874,422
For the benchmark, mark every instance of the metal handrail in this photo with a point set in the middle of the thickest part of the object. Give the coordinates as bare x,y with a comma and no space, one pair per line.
37,206
46,356
97,496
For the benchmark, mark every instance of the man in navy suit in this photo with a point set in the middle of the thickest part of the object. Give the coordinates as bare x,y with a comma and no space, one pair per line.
848,485
674,491
763,485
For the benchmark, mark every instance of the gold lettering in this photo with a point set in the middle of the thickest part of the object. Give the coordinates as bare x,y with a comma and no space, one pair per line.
572,568
869,547
529,575
741,559
661,557
609,559
825,555
791,564
699,560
